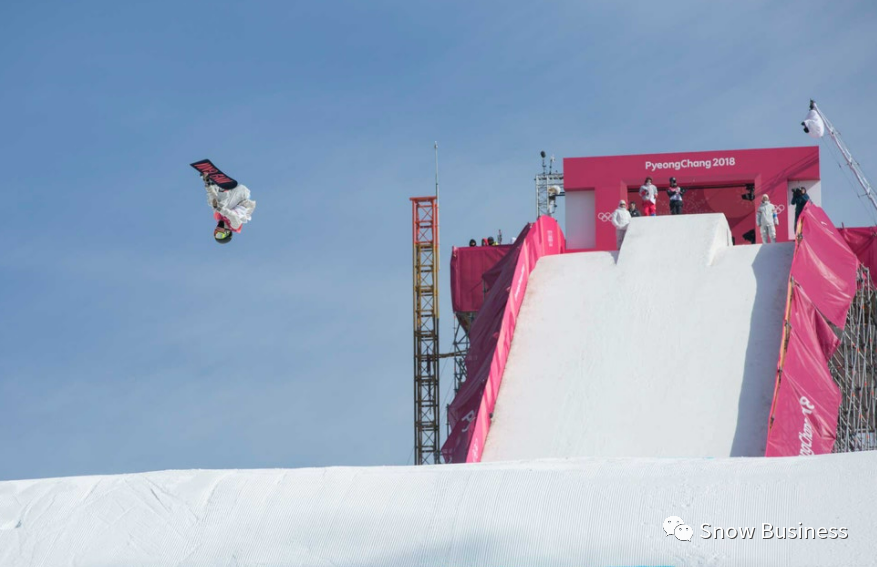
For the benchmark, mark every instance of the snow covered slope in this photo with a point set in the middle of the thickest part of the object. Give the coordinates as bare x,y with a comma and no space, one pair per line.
667,348
564,512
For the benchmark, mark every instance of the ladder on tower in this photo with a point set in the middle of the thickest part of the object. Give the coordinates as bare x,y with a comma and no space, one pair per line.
426,331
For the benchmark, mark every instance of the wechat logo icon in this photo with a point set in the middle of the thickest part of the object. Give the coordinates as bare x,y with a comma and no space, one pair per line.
675,526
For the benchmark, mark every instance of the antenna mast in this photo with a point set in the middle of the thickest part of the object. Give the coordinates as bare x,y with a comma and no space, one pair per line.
425,232
549,186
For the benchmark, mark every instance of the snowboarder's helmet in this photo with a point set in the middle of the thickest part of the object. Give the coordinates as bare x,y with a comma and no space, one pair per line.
222,235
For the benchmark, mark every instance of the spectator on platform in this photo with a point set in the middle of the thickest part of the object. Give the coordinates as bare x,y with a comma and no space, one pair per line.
554,191
621,220
649,194
491,241
675,192
634,212
472,242
484,242
799,200
766,220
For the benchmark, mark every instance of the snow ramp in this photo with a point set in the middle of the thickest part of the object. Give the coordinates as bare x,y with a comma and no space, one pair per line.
666,348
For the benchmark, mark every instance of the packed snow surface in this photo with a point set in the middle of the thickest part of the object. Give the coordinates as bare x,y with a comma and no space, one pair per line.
606,512
667,348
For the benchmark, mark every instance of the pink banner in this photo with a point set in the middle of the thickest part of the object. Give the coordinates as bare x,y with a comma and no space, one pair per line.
468,265
491,339
804,414
806,407
863,243
483,337
825,266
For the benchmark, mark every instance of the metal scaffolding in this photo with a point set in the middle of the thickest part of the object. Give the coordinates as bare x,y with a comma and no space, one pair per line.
426,331
462,324
854,368
549,186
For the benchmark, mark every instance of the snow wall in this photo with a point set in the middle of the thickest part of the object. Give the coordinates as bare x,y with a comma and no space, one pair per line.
593,512
666,348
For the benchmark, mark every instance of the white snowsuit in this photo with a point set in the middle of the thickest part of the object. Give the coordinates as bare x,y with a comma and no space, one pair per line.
649,193
233,205
765,219
620,219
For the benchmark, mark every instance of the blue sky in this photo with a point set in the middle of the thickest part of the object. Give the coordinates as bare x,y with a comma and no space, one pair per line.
129,341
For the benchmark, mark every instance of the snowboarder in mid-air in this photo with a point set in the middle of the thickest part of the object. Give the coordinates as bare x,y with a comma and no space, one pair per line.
230,201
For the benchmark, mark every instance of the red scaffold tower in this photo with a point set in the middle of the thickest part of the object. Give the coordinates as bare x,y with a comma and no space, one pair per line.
426,331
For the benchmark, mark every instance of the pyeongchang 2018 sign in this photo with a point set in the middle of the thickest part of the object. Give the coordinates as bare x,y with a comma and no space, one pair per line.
691,164
715,181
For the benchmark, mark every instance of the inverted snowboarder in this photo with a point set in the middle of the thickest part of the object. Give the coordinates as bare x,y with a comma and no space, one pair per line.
230,201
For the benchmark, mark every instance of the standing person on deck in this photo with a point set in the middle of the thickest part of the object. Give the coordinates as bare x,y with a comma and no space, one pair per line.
799,200
634,212
620,219
649,194
766,220
675,192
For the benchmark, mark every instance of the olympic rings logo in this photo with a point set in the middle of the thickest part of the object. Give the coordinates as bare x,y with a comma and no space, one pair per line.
780,209
604,217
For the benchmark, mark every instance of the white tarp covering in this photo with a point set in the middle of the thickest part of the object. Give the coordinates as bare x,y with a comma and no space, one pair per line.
565,512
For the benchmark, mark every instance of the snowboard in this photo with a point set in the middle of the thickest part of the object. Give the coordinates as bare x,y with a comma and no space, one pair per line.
214,174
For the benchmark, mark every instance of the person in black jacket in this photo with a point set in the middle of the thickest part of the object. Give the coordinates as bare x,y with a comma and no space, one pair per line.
634,212
799,199
675,192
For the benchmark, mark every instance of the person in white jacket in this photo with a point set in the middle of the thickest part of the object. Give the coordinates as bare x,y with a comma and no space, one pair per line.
620,219
766,220
231,208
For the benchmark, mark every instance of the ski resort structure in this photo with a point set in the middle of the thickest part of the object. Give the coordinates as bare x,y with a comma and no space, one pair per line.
686,399
604,352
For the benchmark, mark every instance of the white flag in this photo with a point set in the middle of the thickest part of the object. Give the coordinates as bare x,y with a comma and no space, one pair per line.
813,124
